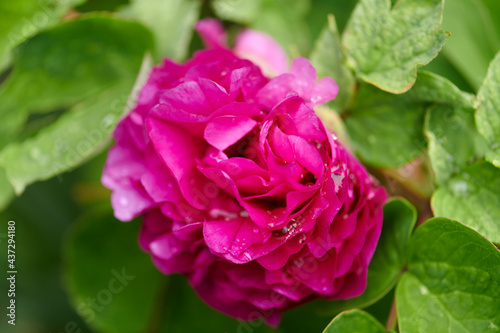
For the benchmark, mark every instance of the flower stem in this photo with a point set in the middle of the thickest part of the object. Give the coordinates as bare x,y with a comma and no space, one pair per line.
393,317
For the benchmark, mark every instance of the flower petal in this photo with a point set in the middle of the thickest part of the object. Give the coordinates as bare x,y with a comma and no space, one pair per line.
262,50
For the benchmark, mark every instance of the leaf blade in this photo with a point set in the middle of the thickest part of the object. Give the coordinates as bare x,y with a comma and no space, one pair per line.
384,45
451,269
354,321
473,198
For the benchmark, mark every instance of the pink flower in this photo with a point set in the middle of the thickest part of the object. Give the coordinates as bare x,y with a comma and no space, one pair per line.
241,186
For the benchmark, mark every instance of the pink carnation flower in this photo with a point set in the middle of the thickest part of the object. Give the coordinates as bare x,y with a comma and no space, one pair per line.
241,187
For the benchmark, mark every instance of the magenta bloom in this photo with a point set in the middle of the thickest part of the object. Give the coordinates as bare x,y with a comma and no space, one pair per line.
241,187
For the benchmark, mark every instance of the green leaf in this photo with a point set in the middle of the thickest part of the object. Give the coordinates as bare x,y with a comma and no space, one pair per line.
112,283
328,59
442,66
21,19
384,45
493,156
472,197
69,64
387,129
284,20
74,138
171,21
389,259
354,321
488,111
317,16
101,5
474,40
99,67
241,11
454,141
453,282
6,190
493,7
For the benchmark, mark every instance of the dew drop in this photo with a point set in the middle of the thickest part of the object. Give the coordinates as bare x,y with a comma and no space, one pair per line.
108,121
280,232
316,99
459,187
424,290
302,239
337,180
247,255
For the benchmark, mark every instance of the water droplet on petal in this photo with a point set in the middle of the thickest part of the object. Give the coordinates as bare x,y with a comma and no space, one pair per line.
280,233
302,239
247,255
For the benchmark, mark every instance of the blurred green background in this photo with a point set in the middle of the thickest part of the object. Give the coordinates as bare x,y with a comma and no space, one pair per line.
47,213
